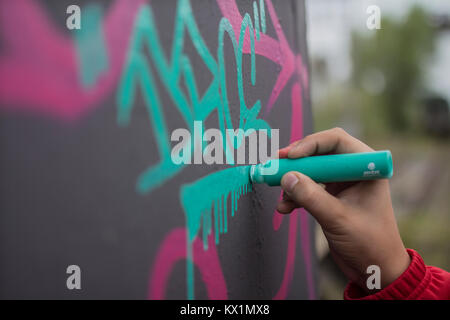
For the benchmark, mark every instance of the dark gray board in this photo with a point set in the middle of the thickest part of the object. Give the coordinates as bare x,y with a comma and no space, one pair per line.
68,188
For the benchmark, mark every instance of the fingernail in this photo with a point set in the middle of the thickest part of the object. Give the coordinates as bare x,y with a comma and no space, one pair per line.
282,153
289,181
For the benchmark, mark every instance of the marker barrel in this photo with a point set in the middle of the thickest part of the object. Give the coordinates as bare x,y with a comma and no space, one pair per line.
330,168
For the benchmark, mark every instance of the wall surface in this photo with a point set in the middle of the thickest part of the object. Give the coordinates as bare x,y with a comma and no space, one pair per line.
86,173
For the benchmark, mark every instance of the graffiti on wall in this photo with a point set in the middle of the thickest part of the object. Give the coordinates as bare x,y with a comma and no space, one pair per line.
65,78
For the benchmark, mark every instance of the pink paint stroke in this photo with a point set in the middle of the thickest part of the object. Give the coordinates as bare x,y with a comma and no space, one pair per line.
276,50
39,66
296,134
39,73
306,250
172,250
290,258
280,53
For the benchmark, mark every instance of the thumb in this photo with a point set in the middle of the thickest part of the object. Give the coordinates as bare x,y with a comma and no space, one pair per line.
316,200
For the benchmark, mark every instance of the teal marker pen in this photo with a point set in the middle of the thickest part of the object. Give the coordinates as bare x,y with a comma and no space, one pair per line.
328,168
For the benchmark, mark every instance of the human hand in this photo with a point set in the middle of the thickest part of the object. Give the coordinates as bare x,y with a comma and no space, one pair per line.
357,218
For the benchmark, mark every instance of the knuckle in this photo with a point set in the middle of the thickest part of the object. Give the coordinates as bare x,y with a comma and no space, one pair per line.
339,131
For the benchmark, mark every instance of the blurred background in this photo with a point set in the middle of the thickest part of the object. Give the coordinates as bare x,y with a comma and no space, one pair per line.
390,88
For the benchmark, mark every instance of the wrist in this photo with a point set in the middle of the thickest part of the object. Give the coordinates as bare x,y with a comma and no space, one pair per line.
388,272
404,287
394,268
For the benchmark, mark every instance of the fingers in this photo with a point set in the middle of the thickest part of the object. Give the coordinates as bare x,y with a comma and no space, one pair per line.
283,153
286,206
306,193
329,141
300,189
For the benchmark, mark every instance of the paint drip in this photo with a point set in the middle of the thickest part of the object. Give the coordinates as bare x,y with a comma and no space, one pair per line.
205,204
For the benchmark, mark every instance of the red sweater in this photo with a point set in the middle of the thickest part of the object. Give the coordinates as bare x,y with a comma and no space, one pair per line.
418,282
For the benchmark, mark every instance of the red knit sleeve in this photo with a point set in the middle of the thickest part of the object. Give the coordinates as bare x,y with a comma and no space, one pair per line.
418,282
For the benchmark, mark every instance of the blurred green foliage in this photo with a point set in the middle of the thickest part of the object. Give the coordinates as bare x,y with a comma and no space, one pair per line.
389,66
381,105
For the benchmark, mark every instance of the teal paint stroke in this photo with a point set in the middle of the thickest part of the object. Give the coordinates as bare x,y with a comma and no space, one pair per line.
195,106
256,16
205,204
205,201
263,16
90,45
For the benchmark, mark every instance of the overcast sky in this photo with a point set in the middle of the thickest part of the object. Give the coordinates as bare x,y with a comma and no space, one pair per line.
331,21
